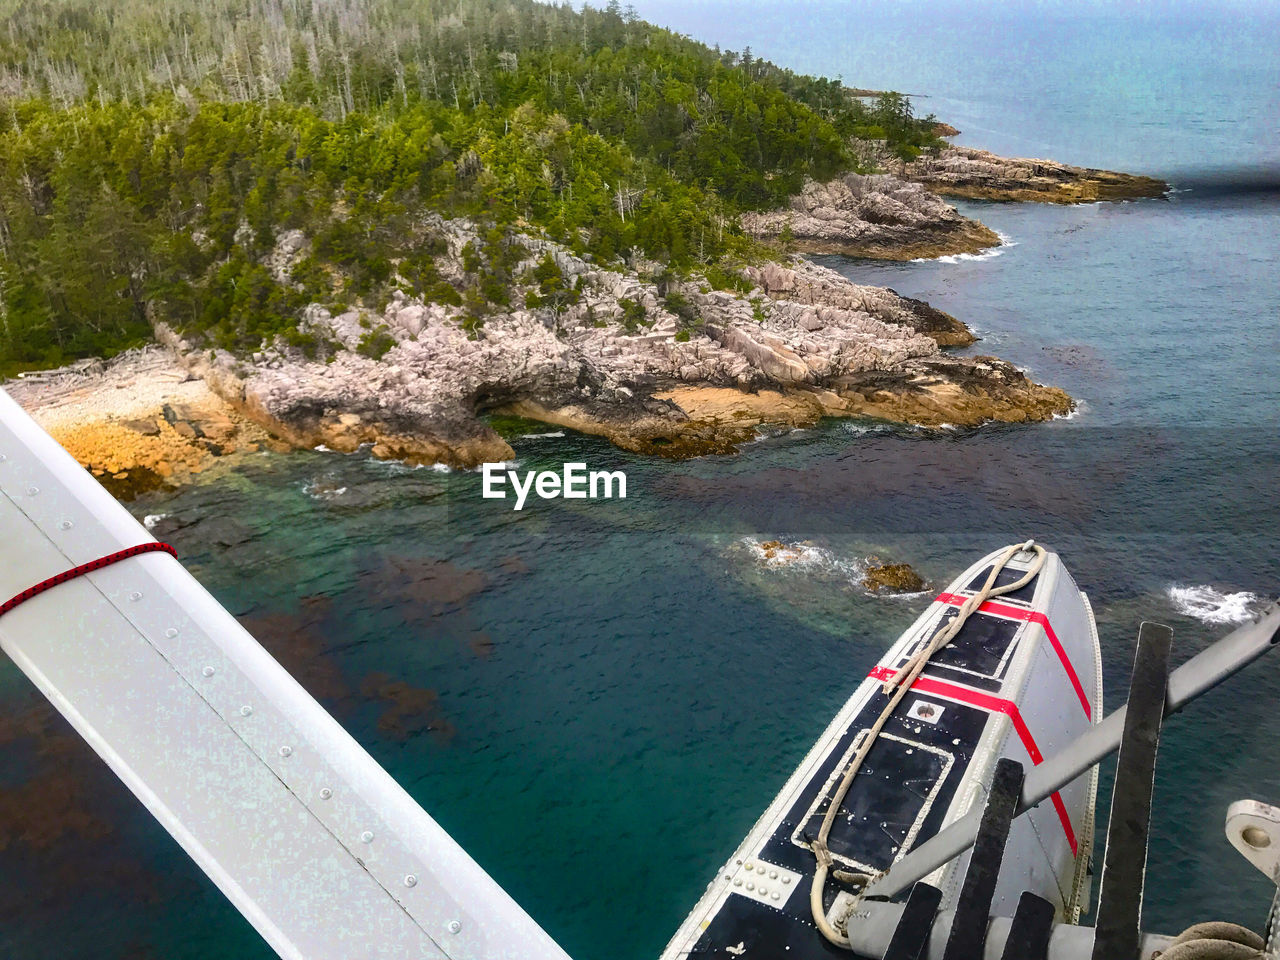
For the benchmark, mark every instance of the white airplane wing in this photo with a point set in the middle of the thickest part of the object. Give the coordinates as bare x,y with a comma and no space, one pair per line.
323,852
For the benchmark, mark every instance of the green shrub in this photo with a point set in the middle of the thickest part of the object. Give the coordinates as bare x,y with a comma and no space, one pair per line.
723,277
686,314
633,315
553,290
376,343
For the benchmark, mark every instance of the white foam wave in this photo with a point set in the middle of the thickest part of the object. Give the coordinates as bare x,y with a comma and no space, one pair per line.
990,253
859,429
1076,411
771,433
890,595
396,467
322,489
321,448
1209,605
442,468
151,519
801,556
811,560
540,436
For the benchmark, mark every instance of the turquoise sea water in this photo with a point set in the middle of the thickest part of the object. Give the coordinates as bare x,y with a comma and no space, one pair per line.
598,699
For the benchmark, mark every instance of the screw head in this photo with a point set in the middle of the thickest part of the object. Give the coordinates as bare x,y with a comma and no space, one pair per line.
367,836
286,751
207,671
135,596
32,490
326,793
65,525
455,926
171,632
246,710
411,881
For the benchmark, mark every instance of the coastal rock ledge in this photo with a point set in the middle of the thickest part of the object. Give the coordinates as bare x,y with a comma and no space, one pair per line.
138,422
803,344
982,175
878,216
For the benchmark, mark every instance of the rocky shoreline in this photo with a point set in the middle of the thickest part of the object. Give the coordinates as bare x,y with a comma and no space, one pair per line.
981,175
657,366
900,214
138,422
801,344
879,216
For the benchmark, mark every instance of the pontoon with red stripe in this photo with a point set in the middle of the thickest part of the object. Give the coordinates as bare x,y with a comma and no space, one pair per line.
1019,678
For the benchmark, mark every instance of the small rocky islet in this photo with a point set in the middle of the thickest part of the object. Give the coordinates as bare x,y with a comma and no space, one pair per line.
792,343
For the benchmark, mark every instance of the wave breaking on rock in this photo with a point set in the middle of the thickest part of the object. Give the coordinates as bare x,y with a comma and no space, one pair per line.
1210,605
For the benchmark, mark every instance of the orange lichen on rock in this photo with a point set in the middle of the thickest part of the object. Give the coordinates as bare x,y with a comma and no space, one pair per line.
137,423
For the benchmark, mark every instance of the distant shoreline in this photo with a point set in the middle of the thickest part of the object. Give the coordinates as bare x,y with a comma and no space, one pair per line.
974,174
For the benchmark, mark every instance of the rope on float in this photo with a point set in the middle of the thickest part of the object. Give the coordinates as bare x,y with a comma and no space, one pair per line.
1215,941
897,686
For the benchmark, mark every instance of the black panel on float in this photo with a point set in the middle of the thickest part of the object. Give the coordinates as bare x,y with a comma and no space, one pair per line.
987,640
1006,576
876,817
